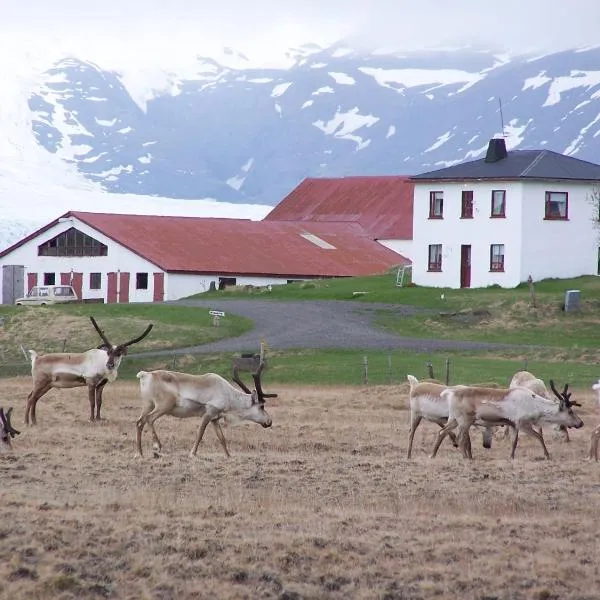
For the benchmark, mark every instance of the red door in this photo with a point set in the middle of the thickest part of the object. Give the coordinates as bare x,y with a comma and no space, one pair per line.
77,283
124,288
65,279
465,266
159,287
31,280
111,294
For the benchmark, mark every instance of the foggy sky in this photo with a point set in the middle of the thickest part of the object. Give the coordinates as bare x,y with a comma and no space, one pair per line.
514,25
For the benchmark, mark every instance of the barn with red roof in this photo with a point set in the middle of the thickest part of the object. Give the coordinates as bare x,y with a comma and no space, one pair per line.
324,228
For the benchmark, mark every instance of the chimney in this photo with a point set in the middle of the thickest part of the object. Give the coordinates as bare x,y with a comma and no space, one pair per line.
496,150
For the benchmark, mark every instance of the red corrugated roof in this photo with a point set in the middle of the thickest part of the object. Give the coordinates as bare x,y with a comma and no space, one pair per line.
240,246
382,205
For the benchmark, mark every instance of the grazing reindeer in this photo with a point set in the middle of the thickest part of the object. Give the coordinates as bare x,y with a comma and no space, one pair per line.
250,363
595,436
94,369
533,383
517,407
427,403
7,431
209,396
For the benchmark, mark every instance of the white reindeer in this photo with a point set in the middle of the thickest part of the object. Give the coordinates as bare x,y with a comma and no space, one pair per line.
533,383
595,436
517,407
208,396
94,369
7,431
427,403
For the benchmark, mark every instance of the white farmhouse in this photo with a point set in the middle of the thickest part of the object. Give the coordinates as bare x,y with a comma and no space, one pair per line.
138,258
500,219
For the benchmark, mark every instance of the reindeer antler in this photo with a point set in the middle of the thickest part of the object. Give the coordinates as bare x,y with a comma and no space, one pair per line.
257,383
139,338
100,332
565,396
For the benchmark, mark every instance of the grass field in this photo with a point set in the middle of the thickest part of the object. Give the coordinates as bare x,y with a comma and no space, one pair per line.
322,505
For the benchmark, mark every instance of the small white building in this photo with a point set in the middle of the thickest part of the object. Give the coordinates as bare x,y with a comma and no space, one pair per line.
500,219
136,258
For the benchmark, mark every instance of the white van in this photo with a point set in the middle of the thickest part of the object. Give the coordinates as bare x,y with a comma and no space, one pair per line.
41,295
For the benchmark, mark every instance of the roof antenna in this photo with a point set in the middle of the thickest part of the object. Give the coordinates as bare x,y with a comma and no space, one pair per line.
501,117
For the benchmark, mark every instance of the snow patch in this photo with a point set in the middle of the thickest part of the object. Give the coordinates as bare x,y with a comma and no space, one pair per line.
343,126
563,84
440,141
280,89
342,78
323,90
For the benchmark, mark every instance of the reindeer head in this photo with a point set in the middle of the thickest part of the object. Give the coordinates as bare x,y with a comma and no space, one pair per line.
565,406
116,352
7,431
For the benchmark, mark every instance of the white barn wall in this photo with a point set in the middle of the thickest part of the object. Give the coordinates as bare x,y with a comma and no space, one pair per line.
402,247
479,232
554,248
180,285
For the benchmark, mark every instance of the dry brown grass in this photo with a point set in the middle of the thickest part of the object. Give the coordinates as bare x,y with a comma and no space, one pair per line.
323,505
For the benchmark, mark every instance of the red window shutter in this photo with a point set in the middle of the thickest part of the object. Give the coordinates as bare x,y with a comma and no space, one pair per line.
111,294
124,291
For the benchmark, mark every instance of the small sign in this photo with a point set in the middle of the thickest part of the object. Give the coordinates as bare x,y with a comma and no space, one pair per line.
216,313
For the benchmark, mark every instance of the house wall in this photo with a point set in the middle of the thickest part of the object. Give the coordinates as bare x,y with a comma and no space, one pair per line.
118,259
480,232
558,248
402,247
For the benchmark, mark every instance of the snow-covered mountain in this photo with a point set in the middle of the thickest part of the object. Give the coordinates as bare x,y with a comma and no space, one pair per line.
224,128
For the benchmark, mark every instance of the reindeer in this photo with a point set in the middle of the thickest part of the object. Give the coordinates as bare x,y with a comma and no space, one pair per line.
427,403
7,431
535,384
595,436
94,369
250,362
518,407
210,396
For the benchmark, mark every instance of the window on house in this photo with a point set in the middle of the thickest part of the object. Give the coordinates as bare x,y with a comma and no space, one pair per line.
498,203
497,257
466,211
435,257
436,205
141,281
557,205
49,278
72,242
95,281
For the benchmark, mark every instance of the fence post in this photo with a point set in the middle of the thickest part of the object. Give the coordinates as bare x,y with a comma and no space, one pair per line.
365,370
447,371
430,370
174,362
389,363
64,347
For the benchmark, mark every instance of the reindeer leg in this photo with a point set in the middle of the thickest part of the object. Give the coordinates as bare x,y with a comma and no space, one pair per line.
515,441
221,436
92,398
413,427
99,390
206,419
442,434
149,414
32,399
594,439
529,430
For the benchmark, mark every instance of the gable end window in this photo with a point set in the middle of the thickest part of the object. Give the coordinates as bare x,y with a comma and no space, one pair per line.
72,242
466,205
435,257
497,257
436,205
557,206
498,204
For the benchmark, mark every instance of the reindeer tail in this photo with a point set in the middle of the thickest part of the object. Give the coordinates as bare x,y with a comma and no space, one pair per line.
412,380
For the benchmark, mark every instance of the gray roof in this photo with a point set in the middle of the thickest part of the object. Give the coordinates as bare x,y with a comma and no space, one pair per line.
520,164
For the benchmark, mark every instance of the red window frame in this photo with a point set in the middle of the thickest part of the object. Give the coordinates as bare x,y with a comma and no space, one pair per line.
496,266
433,197
501,214
548,215
466,204
435,264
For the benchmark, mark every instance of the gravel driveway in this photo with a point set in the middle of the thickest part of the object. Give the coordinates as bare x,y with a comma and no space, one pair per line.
316,324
